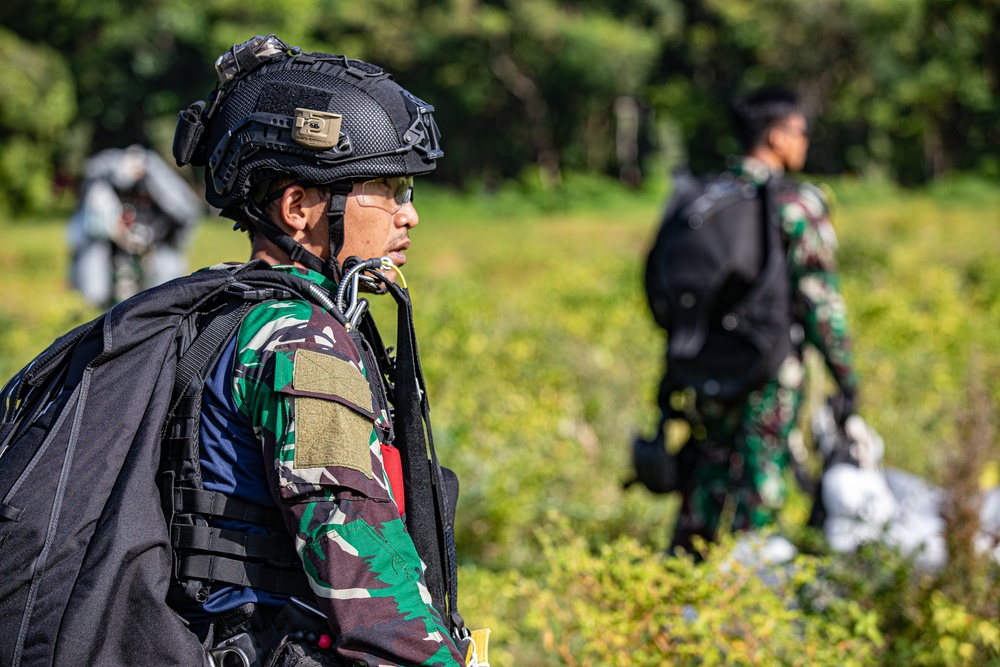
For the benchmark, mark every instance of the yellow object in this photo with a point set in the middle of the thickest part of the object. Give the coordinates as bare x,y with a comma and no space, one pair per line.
990,475
478,653
387,264
677,435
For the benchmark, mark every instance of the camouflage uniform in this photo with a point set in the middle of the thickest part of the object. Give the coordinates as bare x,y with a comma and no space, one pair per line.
297,381
742,455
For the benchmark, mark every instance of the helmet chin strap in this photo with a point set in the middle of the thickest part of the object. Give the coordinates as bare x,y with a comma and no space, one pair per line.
329,267
335,223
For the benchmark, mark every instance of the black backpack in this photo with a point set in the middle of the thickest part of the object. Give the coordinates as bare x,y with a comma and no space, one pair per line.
87,555
717,280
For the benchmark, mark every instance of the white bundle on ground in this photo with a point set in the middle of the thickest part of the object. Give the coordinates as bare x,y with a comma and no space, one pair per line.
859,506
865,502
917,529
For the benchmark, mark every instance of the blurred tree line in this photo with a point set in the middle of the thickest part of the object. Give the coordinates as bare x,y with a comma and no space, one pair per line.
904,89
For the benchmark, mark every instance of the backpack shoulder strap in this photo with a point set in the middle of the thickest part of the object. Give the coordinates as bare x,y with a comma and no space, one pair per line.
206,347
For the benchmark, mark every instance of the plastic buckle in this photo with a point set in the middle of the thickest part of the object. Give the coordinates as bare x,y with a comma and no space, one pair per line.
248,293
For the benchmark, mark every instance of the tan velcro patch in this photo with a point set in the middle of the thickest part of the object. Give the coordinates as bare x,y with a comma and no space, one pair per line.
320,373
328,434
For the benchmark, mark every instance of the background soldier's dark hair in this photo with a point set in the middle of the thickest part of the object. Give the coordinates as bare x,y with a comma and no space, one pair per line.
757,111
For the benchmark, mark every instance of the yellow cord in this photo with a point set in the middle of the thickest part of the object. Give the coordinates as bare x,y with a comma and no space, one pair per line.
387,263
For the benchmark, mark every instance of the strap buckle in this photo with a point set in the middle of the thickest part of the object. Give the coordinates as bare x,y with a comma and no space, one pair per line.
228,656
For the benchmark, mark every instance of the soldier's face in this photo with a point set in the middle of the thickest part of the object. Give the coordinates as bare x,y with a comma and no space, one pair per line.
376,223
791,141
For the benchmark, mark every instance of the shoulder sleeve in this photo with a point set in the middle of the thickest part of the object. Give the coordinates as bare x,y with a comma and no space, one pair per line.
299,380
812,258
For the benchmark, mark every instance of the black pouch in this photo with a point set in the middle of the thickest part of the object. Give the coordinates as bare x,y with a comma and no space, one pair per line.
656,468
257,637
299,630
188,145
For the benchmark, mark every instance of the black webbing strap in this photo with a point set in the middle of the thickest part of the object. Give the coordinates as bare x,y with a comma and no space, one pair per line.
427,508
254,575
181,437
235,543
206,346
335,217
214,503
294,250
379,352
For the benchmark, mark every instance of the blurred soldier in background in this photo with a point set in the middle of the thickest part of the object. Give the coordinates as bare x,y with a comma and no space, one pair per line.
129,230
737,451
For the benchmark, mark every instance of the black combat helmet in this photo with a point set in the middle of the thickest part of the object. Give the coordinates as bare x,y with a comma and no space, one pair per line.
318,118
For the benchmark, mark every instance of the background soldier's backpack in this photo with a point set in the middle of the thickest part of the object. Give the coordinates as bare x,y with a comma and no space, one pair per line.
717,281
86,551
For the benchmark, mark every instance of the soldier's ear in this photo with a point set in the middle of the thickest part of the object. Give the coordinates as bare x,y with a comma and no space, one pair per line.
295,207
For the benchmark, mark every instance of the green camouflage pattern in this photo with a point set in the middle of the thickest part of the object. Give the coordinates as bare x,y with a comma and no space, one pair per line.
738,474
365,573
818,306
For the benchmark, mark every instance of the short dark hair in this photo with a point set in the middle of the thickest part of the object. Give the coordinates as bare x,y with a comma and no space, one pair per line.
759,110
271,187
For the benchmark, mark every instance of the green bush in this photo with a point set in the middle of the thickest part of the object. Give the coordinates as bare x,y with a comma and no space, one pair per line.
625,604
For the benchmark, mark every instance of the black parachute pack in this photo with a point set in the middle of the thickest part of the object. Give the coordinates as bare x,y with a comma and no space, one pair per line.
717,280
99,478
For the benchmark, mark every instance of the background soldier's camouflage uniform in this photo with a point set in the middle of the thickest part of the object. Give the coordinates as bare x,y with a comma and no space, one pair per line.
300,382
743,449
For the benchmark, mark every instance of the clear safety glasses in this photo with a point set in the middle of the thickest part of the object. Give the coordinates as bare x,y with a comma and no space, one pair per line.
388,193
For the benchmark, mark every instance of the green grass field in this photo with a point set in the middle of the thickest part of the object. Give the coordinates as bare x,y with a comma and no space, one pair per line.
542,361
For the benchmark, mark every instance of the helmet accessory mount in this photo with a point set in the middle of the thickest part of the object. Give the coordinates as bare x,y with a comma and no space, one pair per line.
318,130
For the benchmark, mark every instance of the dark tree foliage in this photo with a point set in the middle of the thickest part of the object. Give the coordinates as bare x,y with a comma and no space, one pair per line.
532,88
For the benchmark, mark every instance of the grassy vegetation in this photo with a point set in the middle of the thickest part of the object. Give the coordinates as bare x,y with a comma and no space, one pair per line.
542,361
